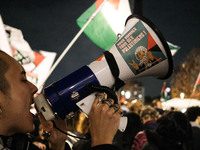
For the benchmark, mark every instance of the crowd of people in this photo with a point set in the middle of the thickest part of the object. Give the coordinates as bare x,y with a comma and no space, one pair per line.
149,126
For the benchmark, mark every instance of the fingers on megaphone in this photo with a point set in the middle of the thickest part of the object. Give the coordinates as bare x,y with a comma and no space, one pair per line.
100,97
109,102
114,108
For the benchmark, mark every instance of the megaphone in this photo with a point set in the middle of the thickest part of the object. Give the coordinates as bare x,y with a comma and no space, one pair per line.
140,51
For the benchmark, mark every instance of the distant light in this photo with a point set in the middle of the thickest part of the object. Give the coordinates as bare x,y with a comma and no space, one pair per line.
168,89
183,110
140,96
134,101
182,95
135,92
127,94
125,102
122,92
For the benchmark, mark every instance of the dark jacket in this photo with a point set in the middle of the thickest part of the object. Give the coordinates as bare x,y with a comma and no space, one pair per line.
140,138
124,140
17,142
23,142
156,142
196,138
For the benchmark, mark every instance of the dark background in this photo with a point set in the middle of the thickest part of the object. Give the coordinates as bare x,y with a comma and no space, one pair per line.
51,24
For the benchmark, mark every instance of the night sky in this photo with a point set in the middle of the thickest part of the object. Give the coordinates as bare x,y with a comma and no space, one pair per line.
51,24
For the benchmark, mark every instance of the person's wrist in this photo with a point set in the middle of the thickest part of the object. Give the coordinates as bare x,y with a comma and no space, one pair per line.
105,146
97,141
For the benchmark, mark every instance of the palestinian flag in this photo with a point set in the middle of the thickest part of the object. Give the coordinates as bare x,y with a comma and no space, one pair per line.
36,64
164,92
173,48
107,24
197,84
196,88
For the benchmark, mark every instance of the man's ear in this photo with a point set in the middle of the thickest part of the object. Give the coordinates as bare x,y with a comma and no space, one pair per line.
198,120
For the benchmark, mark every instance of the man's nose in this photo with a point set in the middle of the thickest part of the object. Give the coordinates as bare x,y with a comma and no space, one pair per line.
33,88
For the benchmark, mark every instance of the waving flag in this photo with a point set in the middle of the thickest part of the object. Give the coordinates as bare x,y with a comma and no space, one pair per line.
196,86
198,83
164,92
4,44
174,48
107,24
36,64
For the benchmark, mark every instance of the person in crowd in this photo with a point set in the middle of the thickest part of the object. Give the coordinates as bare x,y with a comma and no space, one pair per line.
135,106
193,114
16,121
157,104
37,135
78,126
40,141
149,115
124,140
173,132
124,108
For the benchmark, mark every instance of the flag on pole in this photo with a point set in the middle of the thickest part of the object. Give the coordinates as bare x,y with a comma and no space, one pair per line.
36,64
198,82
173,48
103,30
196,86
107,24
164,92
4,44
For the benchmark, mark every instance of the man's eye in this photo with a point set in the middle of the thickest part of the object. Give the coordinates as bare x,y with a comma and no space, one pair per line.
24,80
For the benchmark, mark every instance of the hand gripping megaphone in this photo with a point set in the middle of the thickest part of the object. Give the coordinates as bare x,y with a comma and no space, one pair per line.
140,51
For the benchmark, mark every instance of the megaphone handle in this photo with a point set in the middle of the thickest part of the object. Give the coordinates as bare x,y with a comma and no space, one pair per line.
114,70
107,90
123,124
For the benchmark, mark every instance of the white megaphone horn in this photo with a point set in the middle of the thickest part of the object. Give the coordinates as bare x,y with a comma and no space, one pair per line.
140,51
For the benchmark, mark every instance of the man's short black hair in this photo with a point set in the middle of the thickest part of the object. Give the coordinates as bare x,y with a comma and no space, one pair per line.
193,112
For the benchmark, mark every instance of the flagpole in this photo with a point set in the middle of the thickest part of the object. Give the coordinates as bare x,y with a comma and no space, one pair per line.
71,44
195,85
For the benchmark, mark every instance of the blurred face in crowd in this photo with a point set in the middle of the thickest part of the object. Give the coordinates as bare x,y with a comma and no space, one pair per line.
15,102
198,120
159,105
